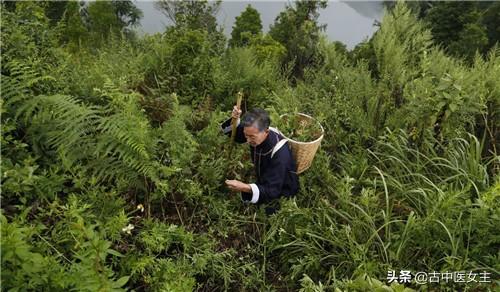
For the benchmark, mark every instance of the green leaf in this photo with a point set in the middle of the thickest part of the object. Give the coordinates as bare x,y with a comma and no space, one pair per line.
453,107
122,281
114,252
442,86
441,104
447,95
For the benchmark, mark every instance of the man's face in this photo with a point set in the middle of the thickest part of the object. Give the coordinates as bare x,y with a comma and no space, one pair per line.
254,136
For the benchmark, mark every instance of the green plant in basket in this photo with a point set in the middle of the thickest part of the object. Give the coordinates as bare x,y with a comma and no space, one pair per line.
299,127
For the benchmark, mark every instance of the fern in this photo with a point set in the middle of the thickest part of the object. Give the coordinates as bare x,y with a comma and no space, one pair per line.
110,143
125,133
400,44
19,80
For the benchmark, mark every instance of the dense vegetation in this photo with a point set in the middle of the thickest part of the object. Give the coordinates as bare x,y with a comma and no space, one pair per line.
113,162
461,27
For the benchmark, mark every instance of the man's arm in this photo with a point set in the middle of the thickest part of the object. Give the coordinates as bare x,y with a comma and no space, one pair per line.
227,128
236,185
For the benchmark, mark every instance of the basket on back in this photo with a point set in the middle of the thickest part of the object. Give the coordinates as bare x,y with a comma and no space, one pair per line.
303,151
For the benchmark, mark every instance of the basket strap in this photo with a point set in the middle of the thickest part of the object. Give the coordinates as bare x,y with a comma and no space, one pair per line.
278,146
275,130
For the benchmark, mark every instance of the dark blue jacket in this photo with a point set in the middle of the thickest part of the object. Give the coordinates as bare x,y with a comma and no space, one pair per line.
276,176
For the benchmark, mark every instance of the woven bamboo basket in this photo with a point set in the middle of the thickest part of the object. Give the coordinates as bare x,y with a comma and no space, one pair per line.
303,152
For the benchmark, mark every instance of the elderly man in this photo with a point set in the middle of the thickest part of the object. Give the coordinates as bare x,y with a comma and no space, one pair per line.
272,158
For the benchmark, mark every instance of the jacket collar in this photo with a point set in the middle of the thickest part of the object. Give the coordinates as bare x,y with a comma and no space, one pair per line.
268,144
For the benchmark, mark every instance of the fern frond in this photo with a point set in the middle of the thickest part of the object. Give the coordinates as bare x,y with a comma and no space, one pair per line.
17,84
128,138
113,142
71,119
110,146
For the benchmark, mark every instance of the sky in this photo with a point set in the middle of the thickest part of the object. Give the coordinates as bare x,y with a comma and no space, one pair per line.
348,21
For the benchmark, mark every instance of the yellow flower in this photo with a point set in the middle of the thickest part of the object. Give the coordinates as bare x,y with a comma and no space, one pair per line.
140,207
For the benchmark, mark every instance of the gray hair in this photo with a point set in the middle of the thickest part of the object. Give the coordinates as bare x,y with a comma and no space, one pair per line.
258,118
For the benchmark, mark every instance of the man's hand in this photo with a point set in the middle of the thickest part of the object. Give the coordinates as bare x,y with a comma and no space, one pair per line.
236,113
238,186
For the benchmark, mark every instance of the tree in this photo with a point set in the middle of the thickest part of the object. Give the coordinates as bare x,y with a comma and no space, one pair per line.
71,26
340,47
191,14
247,25
26,32
462,28
110,17
76,21
418,7
128,14
55,9
102,20
188,16
491,19
298,30
457,26
266,48
473,38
